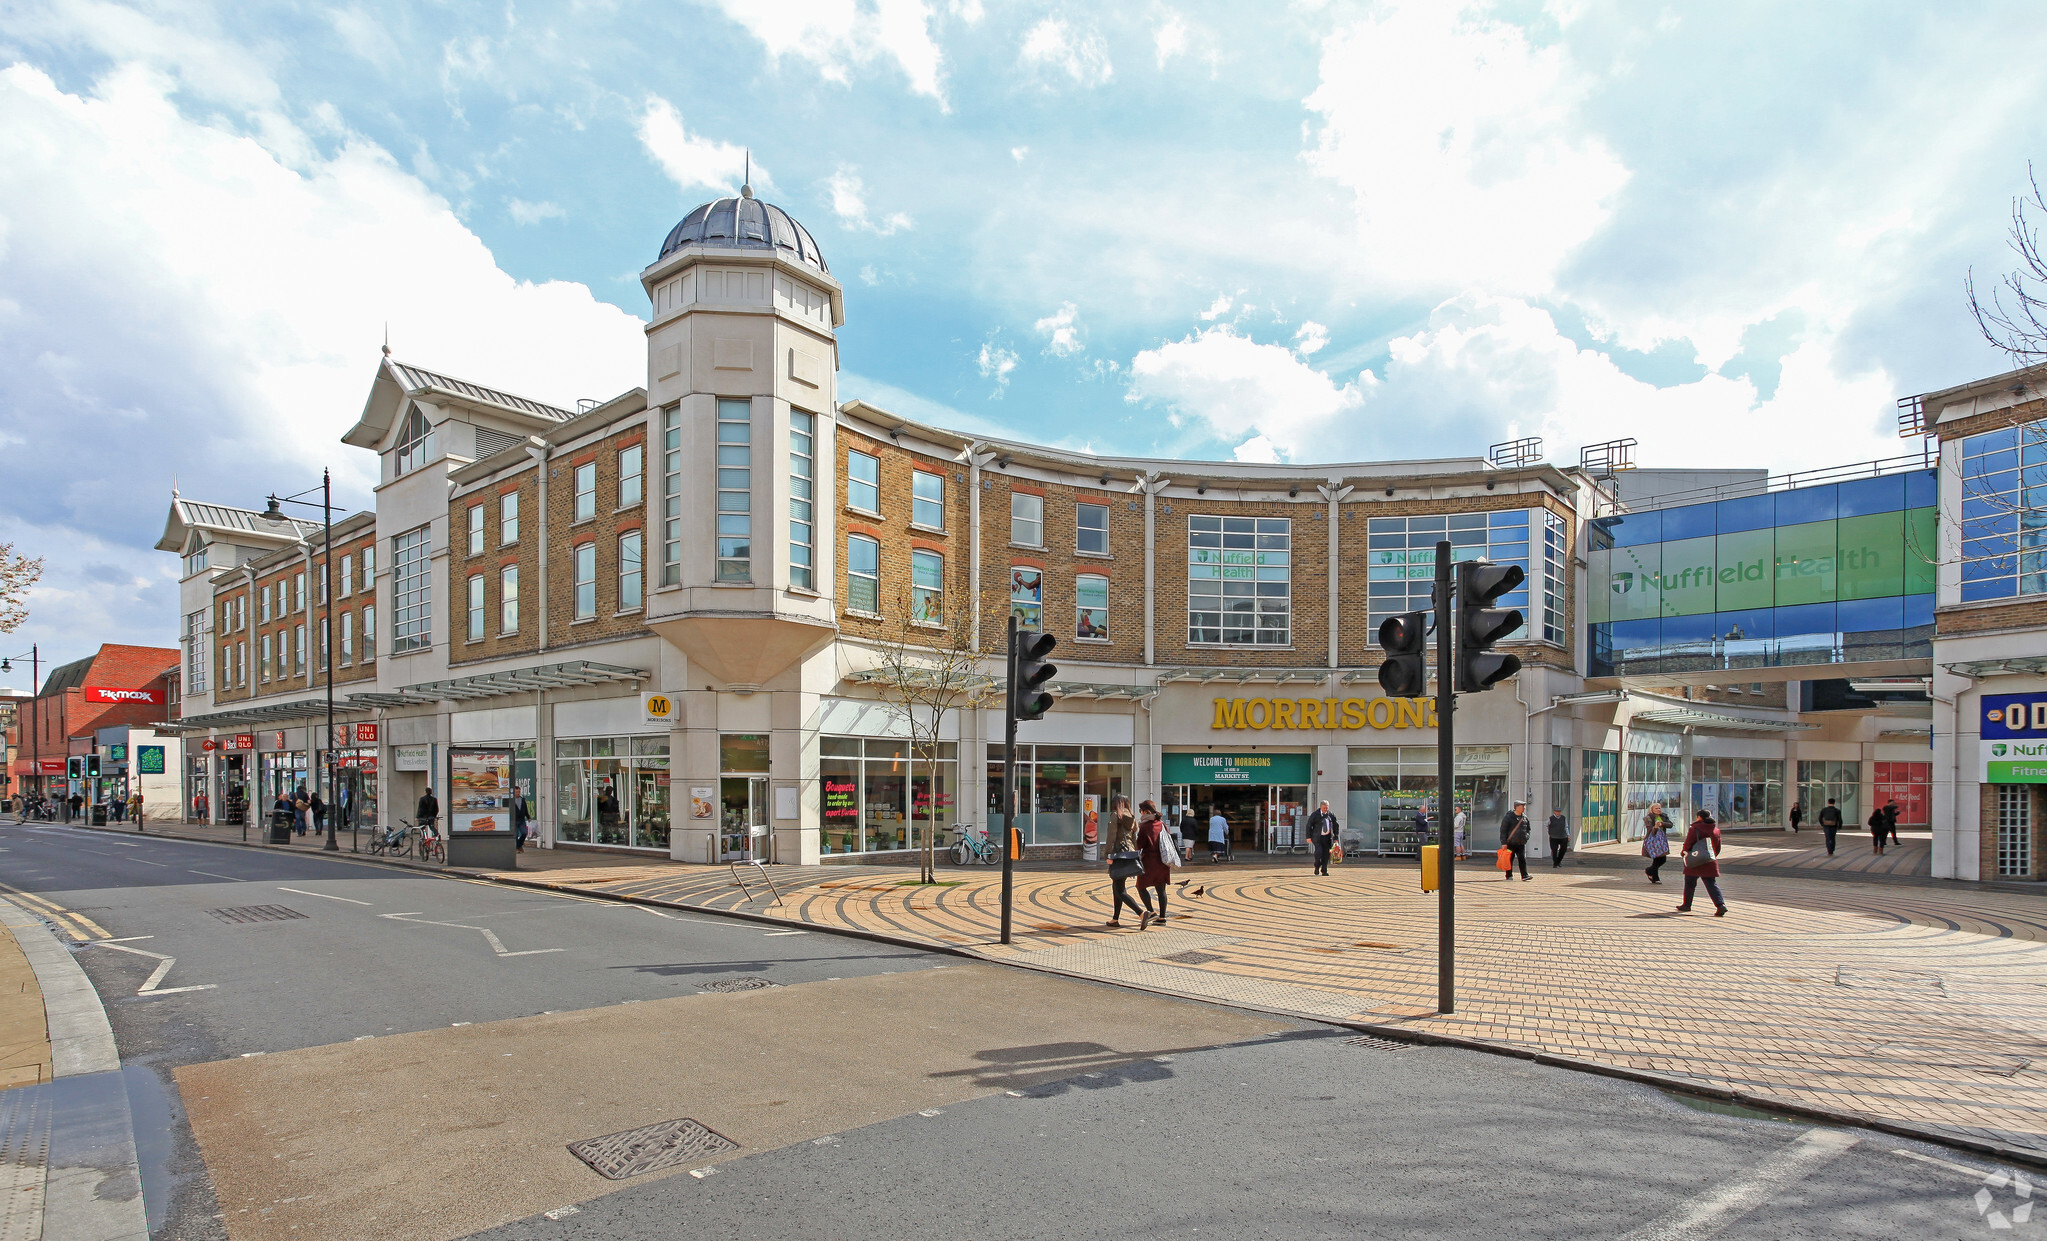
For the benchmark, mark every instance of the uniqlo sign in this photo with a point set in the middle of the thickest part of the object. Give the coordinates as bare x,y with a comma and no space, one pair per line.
245,741
108,693
366,734
277,742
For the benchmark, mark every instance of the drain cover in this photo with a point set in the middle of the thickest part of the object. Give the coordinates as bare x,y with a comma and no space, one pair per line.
256,913
1190,958
1376,1044
616,1156
737,984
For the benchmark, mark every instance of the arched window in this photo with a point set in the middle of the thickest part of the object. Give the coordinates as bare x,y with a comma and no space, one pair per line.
412,442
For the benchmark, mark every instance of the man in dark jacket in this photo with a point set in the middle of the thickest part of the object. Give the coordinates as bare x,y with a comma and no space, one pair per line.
1891,819
1322,835
520,818
429,809
1514,837
1559,838
1830,823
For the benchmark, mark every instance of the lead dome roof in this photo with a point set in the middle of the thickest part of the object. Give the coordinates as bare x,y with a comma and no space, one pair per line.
748,223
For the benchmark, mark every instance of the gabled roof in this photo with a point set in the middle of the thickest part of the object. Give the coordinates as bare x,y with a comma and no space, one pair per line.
397,381
226,520
420,379
69,676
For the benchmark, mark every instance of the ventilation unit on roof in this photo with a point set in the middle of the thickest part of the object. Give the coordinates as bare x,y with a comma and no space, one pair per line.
1607,458
1512,453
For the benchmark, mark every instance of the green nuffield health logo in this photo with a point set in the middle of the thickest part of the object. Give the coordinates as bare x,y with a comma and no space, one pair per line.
2014,762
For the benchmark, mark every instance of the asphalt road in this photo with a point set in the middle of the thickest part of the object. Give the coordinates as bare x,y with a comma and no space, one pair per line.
1298,1134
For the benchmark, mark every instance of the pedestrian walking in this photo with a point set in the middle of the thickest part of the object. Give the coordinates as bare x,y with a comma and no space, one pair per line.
1797,816
428,811
1891,819
1702,864
1830,823
1322,835
135,808
318,806
1154,872
1458,825
77,806
1878,825
302,810
1514,839
1124,865
521,818
1559,838
1218,835
1655,841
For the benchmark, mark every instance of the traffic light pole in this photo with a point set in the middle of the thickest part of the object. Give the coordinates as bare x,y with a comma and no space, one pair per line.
1008,773
1446,788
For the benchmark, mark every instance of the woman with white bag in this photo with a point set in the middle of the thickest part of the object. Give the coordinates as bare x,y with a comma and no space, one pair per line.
1157,856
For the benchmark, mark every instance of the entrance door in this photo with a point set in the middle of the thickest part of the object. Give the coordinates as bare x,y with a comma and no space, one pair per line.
742,818
1286,813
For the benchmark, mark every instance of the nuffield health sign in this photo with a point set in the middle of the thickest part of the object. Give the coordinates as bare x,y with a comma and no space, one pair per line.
2014,743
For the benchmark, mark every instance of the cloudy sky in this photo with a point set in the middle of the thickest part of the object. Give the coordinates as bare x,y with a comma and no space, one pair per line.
1736,231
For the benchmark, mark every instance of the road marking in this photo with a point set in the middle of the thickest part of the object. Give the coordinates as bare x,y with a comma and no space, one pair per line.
76,925
146,862
1737,1198
125,939
210,875
1968,1173
778,934
323,896
164,964
496,945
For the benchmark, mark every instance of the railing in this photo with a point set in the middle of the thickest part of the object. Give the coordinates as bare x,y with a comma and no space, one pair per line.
1912,417
1925,459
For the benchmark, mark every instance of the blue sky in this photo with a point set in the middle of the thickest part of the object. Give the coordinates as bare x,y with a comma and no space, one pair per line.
1317,231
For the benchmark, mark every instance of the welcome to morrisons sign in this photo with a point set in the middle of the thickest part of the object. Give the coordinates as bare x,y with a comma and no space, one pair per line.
1320,713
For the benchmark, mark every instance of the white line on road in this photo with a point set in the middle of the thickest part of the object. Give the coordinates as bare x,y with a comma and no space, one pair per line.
496,945
1968,1173
774,934
210,875
125,939
146,862
164,967
323,896
1737,1198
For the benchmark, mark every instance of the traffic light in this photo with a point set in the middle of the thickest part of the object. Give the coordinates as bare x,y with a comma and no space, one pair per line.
92,766
1479,625
1032,646
1404,673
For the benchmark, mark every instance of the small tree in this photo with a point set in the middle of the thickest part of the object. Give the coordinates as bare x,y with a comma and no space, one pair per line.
17,574
2014,319
931,667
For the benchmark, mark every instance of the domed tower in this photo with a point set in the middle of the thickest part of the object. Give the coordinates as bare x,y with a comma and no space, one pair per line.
741,377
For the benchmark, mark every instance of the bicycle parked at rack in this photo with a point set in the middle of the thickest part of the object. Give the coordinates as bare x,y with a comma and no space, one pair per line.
406,840
973,846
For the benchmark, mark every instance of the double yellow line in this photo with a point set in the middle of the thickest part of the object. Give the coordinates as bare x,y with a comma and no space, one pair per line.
76,925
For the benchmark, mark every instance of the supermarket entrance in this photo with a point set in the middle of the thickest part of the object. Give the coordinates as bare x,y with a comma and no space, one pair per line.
1266,816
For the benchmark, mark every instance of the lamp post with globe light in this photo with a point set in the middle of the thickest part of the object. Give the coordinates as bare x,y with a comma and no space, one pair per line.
275,516
35,676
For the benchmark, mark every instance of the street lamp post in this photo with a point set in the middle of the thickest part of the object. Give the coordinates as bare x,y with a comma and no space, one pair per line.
275,516
35,680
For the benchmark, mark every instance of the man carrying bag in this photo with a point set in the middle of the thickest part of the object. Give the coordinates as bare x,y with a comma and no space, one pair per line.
1322,835
1514,842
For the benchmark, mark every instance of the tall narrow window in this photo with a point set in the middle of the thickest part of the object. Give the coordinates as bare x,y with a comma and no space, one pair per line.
585,580
369,635
586,491
476,530
347,576
320,582
263,606
1027,596
1091,522
241,665
298,650
412,592
412,443
2014,830
298,592
735,491
927,500
476,607
632,470
863,574
927,588
508,519
671,498
508,599
347,638
1091,597
863,482
1026,519
801,455
629,571
325,654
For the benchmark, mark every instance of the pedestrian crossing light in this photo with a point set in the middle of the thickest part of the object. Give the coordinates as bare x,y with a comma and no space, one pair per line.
1404,673
1031,699
1480,625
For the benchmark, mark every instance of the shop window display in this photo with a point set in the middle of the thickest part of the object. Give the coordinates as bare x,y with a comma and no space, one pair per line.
1387,784
871,789
1055,779
613,791
1742,792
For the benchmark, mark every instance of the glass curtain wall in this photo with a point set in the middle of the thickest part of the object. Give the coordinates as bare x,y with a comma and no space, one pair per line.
1740,792
872,786
1599,816
611,791
1053,779
1819,779
1387,784
1654,780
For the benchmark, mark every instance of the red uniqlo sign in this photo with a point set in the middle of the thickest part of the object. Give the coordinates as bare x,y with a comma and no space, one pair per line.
107,693
366,734
277,742
245,741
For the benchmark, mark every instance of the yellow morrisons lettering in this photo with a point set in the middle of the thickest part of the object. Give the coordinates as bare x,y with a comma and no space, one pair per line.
1318,713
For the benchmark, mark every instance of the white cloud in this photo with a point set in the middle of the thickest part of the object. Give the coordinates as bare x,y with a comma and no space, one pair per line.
839,36
996,363
1311,338
1257,449
1235,386
692,161
1218,308
1061,330
1170,39
1081,55
968,11
1018,153
849,203
1462,144
523,212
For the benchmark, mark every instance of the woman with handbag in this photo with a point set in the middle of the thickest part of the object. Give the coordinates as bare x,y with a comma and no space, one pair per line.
1157,859
1655,840
1124,865
1702,844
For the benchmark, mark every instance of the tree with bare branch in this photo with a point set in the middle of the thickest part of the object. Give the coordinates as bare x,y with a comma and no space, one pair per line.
931,667
17,575
2014,318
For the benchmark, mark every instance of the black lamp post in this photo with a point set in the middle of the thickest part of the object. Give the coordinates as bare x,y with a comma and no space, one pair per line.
275,516
35,686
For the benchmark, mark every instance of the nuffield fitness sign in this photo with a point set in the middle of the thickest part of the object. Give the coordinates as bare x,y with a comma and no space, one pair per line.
2014,728
1233,714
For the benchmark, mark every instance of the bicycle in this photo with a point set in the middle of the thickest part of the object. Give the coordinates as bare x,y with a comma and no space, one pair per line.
393,841
431,847
974,846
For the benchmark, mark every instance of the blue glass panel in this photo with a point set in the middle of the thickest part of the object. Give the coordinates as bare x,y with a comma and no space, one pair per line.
1976,509
1918,611
1993,588
1807,504
1991,463
1749,625
1636,529
1693,521
1633,635
1991,525
1990,441
1862,496
1985,570
1747,513
1805,618
1990,483
1695,630
2002,548
1867,615
1507,517
1922,489
1510,553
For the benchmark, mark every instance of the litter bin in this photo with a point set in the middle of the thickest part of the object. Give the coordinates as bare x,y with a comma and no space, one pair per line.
99,814
280,827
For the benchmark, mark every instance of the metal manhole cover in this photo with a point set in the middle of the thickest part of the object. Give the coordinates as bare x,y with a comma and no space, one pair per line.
616,1156
1376,1044
737,984
1190,958
242,914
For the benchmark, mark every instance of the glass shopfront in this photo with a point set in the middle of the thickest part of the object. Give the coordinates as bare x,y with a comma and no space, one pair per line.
611,791
1654,779
1741,792
1599,810
1388,784
1908,784
873,789
282,775
1819,779
1053,780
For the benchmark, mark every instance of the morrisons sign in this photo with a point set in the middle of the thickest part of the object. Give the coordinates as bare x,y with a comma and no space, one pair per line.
1232,714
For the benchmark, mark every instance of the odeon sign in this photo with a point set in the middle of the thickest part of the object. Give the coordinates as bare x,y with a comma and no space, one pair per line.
1319,713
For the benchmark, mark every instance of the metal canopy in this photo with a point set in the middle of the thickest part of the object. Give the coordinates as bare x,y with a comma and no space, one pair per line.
1245,676
302,709
521,681
2022,666
1688,717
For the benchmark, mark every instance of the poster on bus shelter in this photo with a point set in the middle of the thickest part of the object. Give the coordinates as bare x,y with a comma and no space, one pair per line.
480,790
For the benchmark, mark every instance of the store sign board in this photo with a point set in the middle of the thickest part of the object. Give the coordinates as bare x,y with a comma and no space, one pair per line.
409,758
366,734
110,694
656,708
149,760
2014,717
841,799
245,741
1239,768
480,790
209,744
1237,714
2014,762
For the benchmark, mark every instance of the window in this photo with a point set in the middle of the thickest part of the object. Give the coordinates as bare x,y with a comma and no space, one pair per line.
298,592
927,588
242,664
632,469
1092,524
1091,595
320,581
585,580
863,482
263,606
927,500
1400,561
586,491
412,444
369,569
412,592
298,650
801,459
508,599
1239,575
1027,596
2014,830
347,576
325,654
1026,519
198,636
476,530
863,574
263,663
369,635
476,607
508,519
1822,779
871,799
735,491
1742,792
347,638
1553,578
629,571
671,498
196,562
2004,513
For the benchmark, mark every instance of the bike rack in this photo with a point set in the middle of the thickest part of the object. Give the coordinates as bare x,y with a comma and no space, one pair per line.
739,877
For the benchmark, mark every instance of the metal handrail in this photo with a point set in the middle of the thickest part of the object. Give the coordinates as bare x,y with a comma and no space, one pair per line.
1925,459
